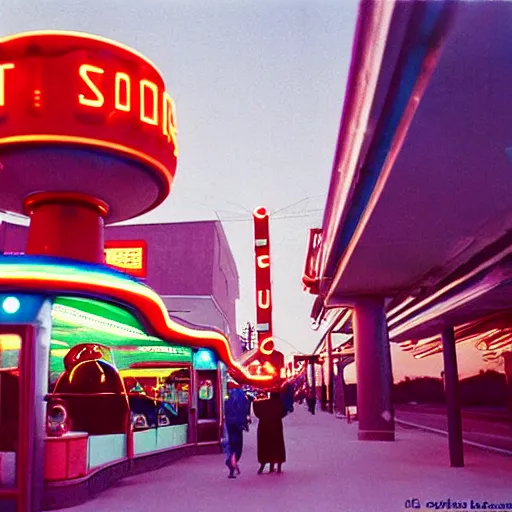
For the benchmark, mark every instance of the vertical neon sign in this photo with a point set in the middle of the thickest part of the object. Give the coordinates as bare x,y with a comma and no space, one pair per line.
263,281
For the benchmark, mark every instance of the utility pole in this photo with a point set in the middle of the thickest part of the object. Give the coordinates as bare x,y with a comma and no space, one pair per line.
249,336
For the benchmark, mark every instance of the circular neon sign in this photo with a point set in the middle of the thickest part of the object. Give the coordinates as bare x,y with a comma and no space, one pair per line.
80,113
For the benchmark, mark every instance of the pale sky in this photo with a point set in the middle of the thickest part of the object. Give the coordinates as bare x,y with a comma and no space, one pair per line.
259,88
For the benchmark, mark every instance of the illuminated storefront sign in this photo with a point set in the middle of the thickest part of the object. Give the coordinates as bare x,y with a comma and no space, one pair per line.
83,90
312,266
182,351
263,281
127,255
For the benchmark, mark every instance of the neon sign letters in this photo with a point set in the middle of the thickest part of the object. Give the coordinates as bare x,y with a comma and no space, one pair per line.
3,69
71,88
263,281
155,106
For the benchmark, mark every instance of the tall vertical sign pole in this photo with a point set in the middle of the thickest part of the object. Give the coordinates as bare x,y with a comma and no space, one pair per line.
263,281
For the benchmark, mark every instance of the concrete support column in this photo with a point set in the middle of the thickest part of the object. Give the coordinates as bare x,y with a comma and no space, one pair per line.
313,376
507,360
339,401
373,371
323,389
312,407
451,382
339,395
330,375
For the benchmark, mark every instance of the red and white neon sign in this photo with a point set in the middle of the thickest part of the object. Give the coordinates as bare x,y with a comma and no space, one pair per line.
263,281
75,89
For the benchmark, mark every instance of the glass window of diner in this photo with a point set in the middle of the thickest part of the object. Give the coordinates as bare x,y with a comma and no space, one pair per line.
108,373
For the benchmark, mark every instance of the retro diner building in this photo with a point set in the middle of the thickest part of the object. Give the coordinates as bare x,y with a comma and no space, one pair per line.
98,377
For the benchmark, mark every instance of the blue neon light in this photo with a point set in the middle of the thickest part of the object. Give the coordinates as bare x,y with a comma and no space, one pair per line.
205,359
11,305
20,308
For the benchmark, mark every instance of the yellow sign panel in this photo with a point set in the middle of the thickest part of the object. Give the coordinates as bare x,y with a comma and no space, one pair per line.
126,257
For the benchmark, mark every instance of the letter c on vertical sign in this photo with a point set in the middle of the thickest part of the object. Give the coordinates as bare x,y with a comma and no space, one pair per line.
99,99
264,304
3,68
263,261
267,346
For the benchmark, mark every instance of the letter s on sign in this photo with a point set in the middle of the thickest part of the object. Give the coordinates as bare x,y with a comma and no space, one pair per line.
99,99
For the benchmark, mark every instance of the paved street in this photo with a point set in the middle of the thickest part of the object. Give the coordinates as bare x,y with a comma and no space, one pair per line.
327,469
491,433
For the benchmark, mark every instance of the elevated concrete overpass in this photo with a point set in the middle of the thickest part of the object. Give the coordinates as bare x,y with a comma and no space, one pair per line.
417,231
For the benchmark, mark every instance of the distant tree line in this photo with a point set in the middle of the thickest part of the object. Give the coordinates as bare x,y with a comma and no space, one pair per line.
488,388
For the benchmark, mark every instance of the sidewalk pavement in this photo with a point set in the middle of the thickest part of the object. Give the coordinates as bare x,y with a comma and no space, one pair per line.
328,469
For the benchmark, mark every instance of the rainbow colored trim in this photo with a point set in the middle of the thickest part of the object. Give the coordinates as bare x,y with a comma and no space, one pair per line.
53,276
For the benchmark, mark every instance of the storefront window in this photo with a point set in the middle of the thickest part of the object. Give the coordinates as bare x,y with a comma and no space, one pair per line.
100,361
10,346
158,397
206,390
207,397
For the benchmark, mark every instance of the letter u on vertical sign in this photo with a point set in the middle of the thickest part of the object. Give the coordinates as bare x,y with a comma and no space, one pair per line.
264,303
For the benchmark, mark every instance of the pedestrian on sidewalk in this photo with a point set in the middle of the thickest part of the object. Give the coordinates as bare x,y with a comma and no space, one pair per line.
287,396
235,410
311,401
270,436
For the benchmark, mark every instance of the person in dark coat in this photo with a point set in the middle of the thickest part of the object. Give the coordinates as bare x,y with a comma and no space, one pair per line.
235,410
287,396
311,401
270,413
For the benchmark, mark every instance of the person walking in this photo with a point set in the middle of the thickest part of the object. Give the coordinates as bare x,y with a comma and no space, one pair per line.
270,436
235,411
287,396
311,401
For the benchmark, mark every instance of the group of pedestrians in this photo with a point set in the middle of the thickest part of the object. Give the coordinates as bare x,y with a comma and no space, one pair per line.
270,412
